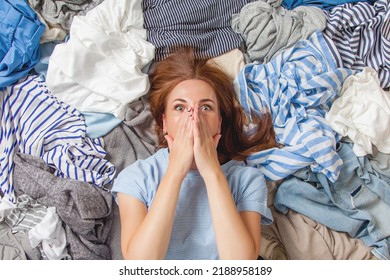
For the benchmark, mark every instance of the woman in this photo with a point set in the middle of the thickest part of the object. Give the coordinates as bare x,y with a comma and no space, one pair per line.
192,199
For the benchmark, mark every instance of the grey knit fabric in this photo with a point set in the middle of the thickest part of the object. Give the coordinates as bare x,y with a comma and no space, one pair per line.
85,210
268,28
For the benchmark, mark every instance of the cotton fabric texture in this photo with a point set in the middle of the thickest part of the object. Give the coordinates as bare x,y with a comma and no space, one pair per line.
355,203
21,31
85,210
268,28
297,87
362,112
99,68
35,122
360,33
193,235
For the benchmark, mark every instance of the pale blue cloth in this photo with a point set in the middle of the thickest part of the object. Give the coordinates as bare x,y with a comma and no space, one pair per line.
193,235
99,124
357,203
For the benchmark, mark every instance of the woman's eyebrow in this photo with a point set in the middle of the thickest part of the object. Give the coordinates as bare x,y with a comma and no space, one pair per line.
200,101
179,100
206,100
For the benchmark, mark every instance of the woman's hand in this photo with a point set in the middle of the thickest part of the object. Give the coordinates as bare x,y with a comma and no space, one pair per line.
229,225
181,153
205,145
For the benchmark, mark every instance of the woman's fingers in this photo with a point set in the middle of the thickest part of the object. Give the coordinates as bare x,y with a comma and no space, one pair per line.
169,141
202,127
205,152
216,138
181,153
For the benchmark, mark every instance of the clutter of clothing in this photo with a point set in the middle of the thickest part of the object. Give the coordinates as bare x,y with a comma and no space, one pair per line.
74,113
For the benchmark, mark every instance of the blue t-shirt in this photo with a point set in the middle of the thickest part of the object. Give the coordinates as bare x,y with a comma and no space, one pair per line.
192,234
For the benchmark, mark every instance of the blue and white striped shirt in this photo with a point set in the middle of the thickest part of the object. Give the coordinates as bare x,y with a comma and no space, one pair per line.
35,122
361,34
297,87
204,25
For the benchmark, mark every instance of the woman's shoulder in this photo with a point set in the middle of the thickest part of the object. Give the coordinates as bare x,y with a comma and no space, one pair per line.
143,173
240,166
239,171
153,164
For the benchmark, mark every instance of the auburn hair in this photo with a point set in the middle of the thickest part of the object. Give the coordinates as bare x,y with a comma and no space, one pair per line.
235,142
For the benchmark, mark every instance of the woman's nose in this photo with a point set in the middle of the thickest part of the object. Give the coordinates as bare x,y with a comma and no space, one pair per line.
190,111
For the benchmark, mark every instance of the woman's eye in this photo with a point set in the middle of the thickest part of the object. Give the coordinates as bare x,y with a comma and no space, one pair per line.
205,108
179,108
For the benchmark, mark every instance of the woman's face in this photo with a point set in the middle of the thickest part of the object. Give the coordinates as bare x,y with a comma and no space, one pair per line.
188,95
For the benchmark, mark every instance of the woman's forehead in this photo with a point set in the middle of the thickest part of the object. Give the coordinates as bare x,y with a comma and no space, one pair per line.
192,91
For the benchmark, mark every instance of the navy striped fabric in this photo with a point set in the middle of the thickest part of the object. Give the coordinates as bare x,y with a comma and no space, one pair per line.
202,24
361,34
297,87
35,122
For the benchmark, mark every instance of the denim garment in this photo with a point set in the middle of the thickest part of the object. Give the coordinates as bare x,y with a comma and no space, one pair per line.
357,203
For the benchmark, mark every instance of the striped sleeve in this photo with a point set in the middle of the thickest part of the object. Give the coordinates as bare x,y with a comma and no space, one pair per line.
34,122
297,88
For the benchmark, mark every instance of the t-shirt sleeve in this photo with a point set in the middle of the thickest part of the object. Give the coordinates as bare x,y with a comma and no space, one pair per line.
252,194
134,181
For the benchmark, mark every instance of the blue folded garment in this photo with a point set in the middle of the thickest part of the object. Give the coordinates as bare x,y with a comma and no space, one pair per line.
20,34
323,4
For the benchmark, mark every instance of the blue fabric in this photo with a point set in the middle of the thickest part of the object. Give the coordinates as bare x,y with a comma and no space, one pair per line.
193,235
33,121
297,87
21,31
45,51
99,124
324,4
356,203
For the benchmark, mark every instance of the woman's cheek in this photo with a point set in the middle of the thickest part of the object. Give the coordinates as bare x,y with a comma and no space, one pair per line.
213,123
172,125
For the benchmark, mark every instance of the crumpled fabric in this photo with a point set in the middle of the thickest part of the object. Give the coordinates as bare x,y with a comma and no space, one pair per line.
60,13
297,87
99,68
205,25
135,135
85,210
10,248
20,34
360,34
50,233
325,4
268,28
362,112
36,123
